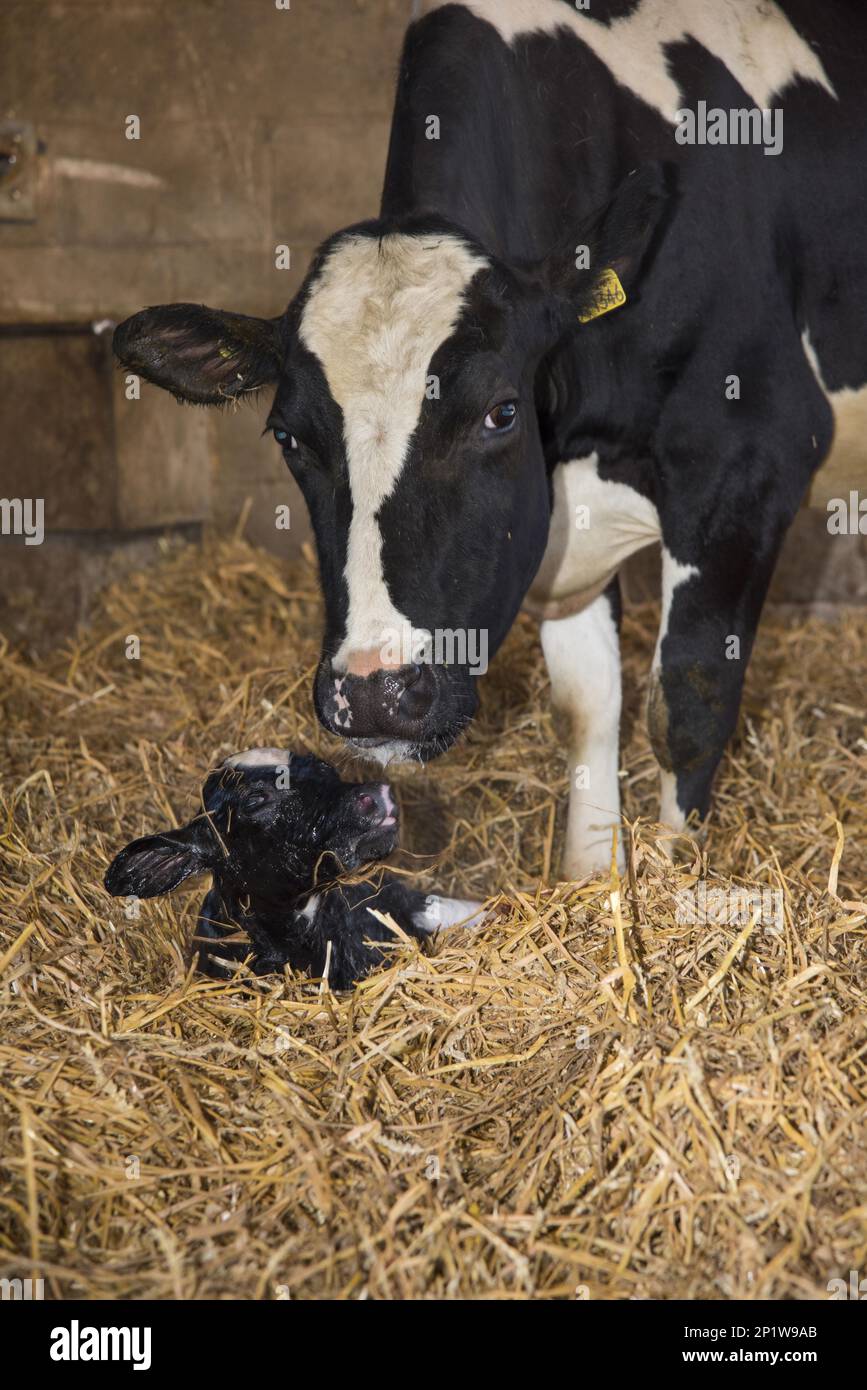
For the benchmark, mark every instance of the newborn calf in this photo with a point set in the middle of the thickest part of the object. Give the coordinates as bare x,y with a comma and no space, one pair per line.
276,831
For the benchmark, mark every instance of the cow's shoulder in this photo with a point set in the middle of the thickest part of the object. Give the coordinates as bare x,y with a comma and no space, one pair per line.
756,41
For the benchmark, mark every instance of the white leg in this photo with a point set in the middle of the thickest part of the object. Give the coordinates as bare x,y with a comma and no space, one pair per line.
440,913
670,811
583,658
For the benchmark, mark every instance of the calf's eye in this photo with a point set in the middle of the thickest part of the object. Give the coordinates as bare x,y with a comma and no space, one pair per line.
502,418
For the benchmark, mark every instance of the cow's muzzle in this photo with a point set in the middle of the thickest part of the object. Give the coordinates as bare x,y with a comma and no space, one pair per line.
420,706
389,703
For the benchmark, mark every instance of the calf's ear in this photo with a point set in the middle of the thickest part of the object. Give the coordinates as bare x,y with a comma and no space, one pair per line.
158,863
203,355
616,237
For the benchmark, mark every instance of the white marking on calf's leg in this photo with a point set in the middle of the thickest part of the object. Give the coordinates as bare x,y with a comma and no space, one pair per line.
440,913
583,658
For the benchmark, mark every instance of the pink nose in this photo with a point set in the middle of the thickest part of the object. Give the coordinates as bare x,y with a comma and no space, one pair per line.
368,660
376,801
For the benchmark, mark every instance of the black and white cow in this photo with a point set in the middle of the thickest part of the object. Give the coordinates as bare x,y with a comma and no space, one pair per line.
471,434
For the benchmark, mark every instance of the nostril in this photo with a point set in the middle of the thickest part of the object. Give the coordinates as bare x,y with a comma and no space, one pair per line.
366,803
419,693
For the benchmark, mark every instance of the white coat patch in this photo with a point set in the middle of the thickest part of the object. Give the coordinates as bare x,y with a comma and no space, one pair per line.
442,913
754,39
845,465
311,907
674,574
374,318
595,527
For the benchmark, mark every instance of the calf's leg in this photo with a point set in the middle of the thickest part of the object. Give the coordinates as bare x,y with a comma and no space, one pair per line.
439,913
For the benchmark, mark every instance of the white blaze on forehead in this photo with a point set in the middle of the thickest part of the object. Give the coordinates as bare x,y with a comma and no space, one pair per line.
374,318
259,757
755,40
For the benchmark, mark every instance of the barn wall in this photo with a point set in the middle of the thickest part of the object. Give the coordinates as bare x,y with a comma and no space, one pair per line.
259,127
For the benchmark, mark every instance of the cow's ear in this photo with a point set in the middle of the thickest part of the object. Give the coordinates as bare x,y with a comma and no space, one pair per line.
158,863
602,261
203,355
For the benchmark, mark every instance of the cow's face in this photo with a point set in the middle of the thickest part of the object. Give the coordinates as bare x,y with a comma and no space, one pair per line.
406,413
406,374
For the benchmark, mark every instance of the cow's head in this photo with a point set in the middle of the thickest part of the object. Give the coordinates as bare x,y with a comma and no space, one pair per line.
406,373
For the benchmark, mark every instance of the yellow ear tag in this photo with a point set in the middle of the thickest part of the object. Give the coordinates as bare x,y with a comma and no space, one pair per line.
608,294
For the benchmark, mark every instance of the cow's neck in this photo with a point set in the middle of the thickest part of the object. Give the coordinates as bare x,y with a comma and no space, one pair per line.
511,166
486,146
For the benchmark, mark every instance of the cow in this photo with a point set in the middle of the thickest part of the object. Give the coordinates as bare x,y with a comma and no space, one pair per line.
614,297
278,831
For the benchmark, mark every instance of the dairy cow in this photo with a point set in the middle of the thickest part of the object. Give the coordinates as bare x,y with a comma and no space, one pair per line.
615,296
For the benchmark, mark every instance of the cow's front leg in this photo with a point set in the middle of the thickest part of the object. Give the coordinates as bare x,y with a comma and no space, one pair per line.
710,613
582,653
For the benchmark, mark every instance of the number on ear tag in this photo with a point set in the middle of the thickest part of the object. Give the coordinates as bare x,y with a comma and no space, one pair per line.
608,294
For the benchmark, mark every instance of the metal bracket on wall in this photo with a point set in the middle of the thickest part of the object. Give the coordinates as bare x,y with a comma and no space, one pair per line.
18,150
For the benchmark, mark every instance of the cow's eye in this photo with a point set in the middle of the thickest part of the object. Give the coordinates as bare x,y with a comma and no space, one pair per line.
502,418
253,800
285,439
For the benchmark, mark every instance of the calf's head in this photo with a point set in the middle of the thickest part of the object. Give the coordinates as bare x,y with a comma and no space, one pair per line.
406,374
273,825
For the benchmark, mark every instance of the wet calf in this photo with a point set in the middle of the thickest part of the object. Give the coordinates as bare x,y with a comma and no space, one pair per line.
277,830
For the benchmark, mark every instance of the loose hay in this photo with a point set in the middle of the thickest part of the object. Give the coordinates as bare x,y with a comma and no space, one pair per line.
583,1100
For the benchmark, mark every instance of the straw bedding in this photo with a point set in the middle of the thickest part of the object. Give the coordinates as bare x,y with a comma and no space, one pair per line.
590,1098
